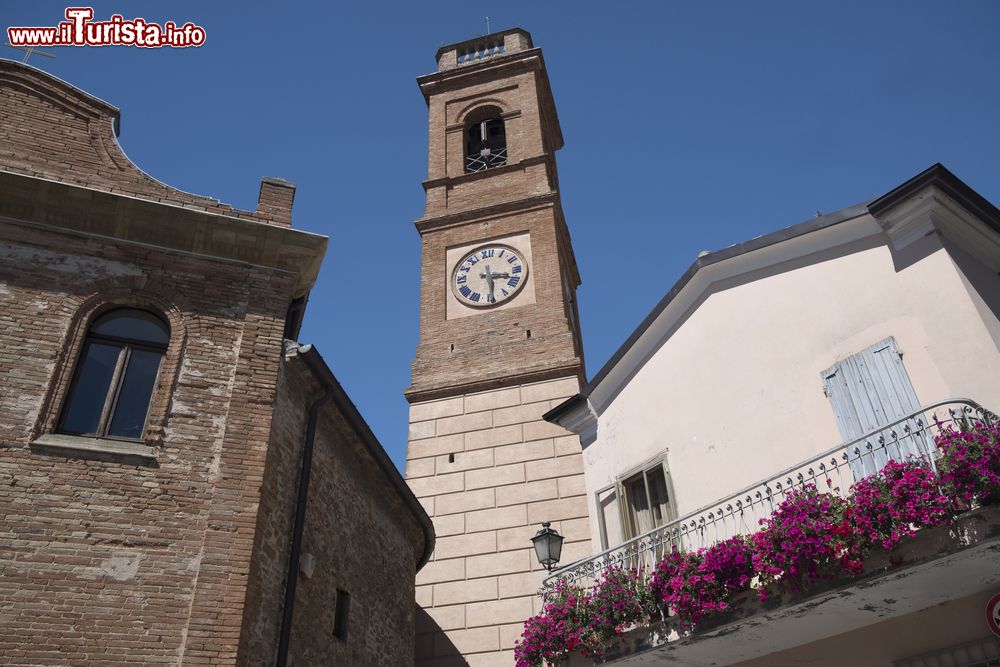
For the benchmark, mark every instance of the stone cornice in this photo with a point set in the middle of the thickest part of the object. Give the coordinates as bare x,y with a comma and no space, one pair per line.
39,202
518,205
485,173
463,77
418,395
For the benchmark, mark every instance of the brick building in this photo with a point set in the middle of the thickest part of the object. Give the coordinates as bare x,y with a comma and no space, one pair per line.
499,347
157,438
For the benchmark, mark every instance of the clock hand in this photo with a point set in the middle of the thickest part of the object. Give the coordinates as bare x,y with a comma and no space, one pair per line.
489,275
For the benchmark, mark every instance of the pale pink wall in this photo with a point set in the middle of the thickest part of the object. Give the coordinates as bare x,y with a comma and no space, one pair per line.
735,392
983,286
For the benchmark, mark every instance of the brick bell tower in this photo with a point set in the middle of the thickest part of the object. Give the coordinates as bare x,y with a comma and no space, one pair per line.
499,346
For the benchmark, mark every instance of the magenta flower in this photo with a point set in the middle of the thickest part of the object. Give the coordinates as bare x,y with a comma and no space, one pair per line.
897,501
810,535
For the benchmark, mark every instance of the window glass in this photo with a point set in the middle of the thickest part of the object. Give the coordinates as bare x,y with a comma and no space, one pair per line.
136,390
608,515
639,504
86,405
115,376
658,495
132,324
647,504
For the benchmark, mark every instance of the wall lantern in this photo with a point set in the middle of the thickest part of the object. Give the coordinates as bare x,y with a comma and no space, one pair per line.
548,546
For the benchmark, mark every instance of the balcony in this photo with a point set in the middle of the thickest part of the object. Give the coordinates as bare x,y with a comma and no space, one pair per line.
937,565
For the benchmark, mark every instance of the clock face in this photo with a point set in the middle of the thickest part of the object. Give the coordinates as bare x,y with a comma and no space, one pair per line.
489,275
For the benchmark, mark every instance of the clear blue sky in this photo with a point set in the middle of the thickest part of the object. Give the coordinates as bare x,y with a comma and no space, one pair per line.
688,126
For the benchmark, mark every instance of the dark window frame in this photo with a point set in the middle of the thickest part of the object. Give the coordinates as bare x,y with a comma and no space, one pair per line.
341,615
125,346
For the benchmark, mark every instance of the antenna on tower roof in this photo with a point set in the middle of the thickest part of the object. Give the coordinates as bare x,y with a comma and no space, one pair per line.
30,51
487,25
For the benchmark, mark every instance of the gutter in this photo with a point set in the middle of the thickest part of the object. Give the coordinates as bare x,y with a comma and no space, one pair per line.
573,402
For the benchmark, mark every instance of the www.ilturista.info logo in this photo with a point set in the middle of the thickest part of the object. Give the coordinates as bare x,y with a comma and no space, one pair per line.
81,30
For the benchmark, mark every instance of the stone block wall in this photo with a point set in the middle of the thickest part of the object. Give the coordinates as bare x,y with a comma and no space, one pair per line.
488,470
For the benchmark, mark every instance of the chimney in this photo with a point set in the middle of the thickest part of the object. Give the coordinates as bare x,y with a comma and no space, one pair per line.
275,200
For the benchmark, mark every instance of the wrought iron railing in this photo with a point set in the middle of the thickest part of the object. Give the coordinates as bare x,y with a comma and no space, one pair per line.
486,160
833,470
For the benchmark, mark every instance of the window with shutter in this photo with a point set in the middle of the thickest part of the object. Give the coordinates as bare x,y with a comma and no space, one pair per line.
867,391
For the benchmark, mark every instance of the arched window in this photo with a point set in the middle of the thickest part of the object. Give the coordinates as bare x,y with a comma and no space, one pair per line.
115,375
485,140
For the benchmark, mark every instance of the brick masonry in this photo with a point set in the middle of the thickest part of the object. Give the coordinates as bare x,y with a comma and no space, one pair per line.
475,353
109,562
360,535
175,551
480,458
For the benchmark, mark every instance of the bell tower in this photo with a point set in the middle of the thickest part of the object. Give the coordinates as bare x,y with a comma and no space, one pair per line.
499,346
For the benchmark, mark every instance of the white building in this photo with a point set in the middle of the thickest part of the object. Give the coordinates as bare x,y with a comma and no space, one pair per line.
756,366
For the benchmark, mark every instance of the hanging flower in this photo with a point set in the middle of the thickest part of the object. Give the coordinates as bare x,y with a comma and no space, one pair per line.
696,585
969,467
561,627
897,501
619,600
809,535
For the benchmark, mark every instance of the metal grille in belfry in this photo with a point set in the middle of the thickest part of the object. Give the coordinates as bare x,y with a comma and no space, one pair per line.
497,158
741,512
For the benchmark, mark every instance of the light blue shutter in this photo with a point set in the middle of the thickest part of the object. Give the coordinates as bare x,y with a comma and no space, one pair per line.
869,390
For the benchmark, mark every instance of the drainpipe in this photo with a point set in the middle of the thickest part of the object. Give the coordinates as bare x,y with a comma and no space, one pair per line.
332,389
357,423
300,518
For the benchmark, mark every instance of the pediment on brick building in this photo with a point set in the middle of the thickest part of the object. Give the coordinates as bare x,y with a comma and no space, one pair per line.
50,129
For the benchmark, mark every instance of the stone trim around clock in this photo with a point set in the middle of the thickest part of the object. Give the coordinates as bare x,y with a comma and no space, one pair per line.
521,242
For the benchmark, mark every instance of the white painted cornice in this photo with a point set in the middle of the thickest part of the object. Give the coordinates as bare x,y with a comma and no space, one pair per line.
931,210
582,420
